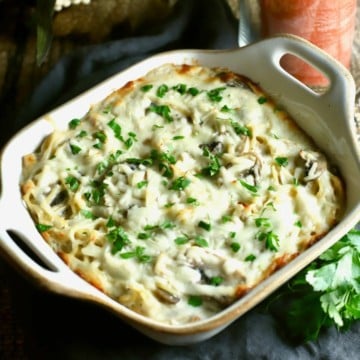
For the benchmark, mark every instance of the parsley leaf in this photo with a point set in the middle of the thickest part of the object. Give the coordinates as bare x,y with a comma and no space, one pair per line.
180,183
325,294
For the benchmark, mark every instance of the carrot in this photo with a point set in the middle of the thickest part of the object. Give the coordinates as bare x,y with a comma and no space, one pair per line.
329,24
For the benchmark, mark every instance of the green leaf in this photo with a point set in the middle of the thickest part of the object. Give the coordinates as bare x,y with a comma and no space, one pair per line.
43,227
180,183
44,15
251,188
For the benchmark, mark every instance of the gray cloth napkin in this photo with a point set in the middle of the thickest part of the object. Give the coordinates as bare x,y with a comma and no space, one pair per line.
61,328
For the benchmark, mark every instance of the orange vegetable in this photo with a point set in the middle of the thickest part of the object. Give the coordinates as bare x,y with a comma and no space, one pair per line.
329,24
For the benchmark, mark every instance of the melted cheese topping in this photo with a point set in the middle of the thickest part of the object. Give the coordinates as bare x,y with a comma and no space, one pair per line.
180,192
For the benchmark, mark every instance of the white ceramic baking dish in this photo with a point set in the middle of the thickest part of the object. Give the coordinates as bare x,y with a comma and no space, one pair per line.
328,118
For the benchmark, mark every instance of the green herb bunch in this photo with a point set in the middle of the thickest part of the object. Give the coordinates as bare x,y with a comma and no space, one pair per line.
325,294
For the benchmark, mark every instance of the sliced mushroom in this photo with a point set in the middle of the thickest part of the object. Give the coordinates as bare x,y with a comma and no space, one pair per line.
252,167
166,296
215,147
315,164
60,198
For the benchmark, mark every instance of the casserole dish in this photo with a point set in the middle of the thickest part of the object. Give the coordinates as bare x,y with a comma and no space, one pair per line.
333,131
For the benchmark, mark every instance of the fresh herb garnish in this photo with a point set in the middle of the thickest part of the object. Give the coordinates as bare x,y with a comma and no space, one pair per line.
180,88
43,227
298,224
193,91
162,110
214,164
240,129
216,280
325,294
235,246
118,238
195,301
270,238
226,218
116,128
262,100
200,241
87,214
181,240
225,109
251,188
262,222
282,161
191,200
146,88
81,134
138,253
180,183
142,184
72,182
74,123
214,94
204,225
75,149
250,257
162,90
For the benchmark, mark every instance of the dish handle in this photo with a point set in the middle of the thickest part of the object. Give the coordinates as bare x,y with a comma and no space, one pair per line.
335,102
39,267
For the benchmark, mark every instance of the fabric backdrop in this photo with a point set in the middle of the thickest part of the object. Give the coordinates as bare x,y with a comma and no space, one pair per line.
62,328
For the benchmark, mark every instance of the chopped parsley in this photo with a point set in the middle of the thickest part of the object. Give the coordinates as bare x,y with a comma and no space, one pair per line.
101,137
180,88
214,164
180,183
116,128
82,134
282,161
251,188
262,222
146,88
262,100
162,110
144,236
225,109
87,214
43,227
162,90
215,94
181,240
216,280
195,301
235,246
193,91
142,184
72,182
138,253
204,225
75,149
74,123
270,238
226,218
200,241
118,238
240,129
250,257
191,200
298,224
